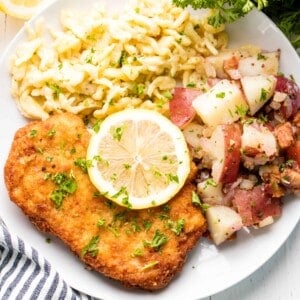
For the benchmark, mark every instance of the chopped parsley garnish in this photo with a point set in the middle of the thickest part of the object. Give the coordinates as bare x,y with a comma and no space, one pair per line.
137,252
288,164
292,77
135,227
117,133
165,214
196,201
73,150
51,133
90,56
210,182
191,85
113,230
101,222
112,227
138,89
172,178
91,37
230,112
166,208
98,158
248,121
66,185
125,201
262,118
110,204
97,194
57,196
220,95
167,94
49,158
120,216
160,102
92,247
263,95
33,133
123,193
96,126
40,150
56,89
241,110
150,265
176,226
147,225
127,166
261,56
156,172
123,57
83,164
158,241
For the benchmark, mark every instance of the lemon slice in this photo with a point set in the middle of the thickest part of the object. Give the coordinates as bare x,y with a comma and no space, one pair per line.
21,9
139,158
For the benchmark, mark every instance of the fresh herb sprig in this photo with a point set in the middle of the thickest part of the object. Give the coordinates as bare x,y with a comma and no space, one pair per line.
226,11
285,14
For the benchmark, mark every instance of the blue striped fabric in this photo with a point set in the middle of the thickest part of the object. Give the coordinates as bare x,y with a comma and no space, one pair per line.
24,274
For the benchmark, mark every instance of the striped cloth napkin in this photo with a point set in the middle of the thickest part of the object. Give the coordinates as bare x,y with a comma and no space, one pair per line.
25,274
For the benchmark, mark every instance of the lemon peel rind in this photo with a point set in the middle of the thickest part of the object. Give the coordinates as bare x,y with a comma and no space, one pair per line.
22,13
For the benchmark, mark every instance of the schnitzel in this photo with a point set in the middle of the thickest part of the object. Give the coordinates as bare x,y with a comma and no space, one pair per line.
46,176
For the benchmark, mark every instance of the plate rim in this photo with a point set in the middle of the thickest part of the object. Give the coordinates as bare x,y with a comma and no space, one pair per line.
255,268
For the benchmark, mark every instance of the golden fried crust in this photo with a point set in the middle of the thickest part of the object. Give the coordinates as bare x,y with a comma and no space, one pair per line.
123,248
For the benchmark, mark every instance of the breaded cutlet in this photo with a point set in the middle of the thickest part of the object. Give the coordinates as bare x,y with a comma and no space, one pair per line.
46,177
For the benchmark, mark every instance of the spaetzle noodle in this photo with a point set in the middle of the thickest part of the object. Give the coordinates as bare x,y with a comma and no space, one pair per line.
98,63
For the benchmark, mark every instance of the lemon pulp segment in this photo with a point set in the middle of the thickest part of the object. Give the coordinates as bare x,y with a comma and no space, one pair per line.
139,159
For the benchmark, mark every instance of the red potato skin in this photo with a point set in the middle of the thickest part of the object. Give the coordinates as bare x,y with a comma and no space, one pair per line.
181,110
293,152
232,157
231,63
291,88
231,66
255,205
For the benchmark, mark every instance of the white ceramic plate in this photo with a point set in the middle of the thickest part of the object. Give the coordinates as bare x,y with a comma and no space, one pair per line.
208,269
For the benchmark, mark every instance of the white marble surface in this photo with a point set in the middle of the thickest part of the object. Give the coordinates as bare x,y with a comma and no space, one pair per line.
277,279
